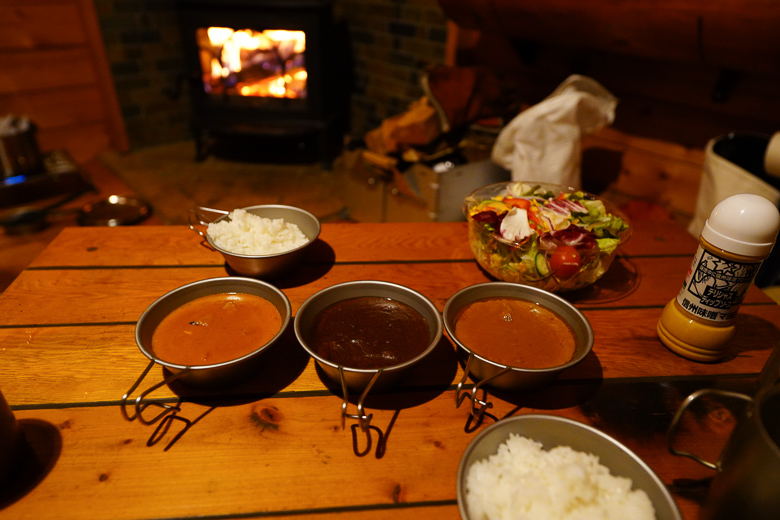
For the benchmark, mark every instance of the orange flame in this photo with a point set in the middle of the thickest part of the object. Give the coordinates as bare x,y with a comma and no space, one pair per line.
267,63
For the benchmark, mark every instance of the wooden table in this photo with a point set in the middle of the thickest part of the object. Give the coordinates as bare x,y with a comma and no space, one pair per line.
273,447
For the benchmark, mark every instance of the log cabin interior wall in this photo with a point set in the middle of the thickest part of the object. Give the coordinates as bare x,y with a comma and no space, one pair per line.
685,71
53,69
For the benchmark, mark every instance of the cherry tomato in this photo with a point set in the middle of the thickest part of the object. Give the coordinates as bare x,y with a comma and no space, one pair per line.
565,262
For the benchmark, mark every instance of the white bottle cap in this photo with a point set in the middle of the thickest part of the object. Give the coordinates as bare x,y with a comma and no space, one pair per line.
743,224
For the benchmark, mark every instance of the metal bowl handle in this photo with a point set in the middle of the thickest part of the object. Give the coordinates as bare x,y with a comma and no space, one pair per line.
141,405
364,421
478,406
676,419
196,218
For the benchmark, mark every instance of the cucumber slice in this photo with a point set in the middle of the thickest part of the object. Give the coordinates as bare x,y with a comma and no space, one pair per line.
540,262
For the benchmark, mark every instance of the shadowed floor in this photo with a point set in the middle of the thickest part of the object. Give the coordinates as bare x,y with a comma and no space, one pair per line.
171,180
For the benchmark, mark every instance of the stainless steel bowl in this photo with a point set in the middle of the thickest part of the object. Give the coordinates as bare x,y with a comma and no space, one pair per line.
357,379
514,378
218,374
262,266
553,431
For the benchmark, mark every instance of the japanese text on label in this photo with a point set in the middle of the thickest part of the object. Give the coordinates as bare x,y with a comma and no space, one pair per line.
715,287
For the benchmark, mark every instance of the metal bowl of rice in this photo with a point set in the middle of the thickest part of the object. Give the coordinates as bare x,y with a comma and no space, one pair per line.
501,471
259,241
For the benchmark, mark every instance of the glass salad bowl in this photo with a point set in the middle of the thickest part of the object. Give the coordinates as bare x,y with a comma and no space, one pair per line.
544,235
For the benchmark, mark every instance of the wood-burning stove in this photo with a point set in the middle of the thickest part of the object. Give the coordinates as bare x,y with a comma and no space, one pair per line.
264,68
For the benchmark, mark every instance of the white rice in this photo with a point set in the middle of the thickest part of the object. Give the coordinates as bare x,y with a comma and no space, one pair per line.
244,233
523,481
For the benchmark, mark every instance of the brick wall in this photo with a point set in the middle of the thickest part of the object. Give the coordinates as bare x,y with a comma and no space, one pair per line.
392,41
144,53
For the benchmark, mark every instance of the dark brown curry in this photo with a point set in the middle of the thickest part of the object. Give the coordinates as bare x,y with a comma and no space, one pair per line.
369,332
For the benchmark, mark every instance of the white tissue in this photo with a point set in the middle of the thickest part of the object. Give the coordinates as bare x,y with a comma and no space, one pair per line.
544,142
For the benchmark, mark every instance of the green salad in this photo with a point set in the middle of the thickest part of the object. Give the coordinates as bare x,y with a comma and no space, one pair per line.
543,235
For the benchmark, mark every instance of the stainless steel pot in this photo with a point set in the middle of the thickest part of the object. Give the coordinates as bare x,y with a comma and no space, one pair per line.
748,469
222,374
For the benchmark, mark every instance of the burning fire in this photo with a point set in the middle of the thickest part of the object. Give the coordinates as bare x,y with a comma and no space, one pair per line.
250,63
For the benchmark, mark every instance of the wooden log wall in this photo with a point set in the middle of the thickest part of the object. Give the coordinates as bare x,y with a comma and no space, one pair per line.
729,33
685,71
53,69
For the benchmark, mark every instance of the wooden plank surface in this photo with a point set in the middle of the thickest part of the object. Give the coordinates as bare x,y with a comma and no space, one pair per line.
46,69
49,362
83,141
273,446
173,245
53,57
62,107
665,31
24,26
279,455
106,295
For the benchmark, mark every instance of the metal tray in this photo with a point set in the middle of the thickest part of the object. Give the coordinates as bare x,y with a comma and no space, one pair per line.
114,211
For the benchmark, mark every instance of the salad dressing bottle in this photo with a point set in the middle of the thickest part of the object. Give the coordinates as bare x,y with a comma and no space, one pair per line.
739,234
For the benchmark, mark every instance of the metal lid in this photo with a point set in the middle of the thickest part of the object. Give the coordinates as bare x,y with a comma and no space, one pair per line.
114,211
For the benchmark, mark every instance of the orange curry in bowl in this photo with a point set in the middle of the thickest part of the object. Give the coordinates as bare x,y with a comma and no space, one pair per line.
215,328
515,332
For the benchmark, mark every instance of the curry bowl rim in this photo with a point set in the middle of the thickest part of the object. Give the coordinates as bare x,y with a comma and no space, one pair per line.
490,287
191,288
436,330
